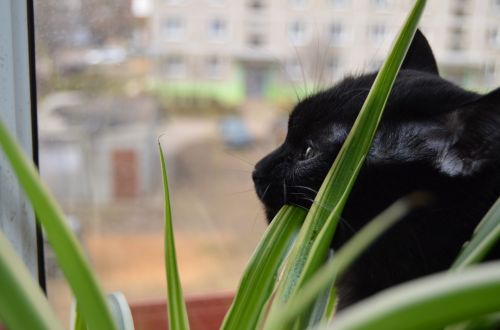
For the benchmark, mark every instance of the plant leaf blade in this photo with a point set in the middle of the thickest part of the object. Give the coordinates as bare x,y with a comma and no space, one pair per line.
323,278
22,303
259,277
413,305
68,252
177,313
484,238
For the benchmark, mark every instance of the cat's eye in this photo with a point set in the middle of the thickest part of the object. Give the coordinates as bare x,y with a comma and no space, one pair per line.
308,153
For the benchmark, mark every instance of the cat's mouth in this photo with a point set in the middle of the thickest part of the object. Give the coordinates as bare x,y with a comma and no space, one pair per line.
273,202
278,193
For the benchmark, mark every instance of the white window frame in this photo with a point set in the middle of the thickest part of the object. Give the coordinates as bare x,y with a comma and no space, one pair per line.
18,112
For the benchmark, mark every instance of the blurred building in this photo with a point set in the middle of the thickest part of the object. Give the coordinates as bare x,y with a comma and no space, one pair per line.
98,149
259,44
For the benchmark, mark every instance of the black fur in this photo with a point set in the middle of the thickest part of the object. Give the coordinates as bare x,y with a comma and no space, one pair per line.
434,136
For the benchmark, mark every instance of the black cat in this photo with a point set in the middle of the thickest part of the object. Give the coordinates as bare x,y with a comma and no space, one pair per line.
434,136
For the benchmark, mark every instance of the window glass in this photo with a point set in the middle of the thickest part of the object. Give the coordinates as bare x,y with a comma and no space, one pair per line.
297,3
493,37
217,80
377,32
255,40
172,2
256,4
337,34
293,69
214,67
217,29
216,2
173,28
380,4
337,3
297,33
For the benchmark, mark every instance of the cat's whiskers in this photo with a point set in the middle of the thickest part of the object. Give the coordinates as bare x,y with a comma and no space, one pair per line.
235,170
298,205
239,158
304,187
297,193
342,220
302,71
241,191
265,191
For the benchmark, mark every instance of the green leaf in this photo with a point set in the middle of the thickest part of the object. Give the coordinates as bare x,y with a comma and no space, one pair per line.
22,303
177,315
79,322
312,244
428,303
324,304
259,278
68,252
323,278
487,322
484,238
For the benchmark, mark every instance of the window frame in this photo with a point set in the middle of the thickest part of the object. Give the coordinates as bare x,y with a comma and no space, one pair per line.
18,110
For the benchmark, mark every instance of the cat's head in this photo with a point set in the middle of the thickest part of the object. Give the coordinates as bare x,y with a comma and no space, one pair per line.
431,130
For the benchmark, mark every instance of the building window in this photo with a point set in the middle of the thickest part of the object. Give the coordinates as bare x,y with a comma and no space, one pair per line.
380,4
298,4
377,33
214,67
173,2
493,37
217,29
293,70
336,34
496,5
489,71
333,66
337,3
256,4
297,33
256,40
173,29
174,66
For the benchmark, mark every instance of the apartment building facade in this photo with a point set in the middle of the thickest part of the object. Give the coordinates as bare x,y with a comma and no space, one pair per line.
315,41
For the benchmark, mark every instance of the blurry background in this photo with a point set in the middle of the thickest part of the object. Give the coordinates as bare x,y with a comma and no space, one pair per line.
217,78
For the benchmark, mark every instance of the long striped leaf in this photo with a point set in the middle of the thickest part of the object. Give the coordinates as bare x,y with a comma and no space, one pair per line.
260,275
177,314
323,278
486,235
22,303
428,303
68,252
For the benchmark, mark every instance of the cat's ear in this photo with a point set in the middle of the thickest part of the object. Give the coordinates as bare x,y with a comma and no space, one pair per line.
473,138
420,56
